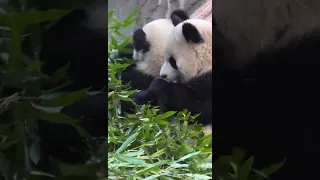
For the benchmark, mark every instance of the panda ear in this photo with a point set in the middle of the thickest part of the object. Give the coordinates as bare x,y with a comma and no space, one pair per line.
139,35
191,33
178,16
140,41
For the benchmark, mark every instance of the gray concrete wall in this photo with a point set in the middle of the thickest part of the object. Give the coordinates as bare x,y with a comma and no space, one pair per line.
122,9
149,9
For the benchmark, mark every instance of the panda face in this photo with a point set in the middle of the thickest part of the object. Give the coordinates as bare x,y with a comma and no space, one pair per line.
149,44
169,71
188,51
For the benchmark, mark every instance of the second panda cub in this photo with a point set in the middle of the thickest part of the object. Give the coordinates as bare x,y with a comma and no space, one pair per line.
186,75
148,44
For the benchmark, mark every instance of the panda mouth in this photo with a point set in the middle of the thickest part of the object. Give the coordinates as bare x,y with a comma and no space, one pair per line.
172,81
166,80
177,79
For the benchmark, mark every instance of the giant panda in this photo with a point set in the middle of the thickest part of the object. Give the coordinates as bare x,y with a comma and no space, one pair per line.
126,54
148,44
265,94
185,81
79,38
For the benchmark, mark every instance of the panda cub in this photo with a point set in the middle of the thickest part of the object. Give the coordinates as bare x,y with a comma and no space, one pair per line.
148,44
186,75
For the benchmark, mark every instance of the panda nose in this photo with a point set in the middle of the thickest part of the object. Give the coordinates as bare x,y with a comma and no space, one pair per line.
164,76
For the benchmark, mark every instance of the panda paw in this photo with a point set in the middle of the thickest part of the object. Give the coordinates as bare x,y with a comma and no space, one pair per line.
158,84
161,90
157,92
142,97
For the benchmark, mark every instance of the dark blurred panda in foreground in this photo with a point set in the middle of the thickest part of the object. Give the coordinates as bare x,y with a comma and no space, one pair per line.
266,79
79,38
266,98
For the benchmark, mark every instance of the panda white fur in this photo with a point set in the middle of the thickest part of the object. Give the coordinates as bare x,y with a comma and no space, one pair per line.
188,52
185,81
148,44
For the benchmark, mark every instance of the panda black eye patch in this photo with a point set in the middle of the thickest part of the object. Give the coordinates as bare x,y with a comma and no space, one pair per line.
140,41
172,62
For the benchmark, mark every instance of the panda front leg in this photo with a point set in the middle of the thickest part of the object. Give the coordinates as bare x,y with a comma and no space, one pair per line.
172,96
155,93
137,79
140,98
176,97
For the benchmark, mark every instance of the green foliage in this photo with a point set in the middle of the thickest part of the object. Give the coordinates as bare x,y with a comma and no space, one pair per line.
27,95
151,144
238,167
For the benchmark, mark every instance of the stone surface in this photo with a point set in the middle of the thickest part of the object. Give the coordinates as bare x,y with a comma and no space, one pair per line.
150,9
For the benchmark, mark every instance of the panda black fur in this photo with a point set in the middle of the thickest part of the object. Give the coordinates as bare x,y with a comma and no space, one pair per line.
148,43
266,76
79,37
60,140
186,81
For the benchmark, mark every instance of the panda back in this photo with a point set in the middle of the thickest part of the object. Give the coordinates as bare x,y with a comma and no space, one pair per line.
253,26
